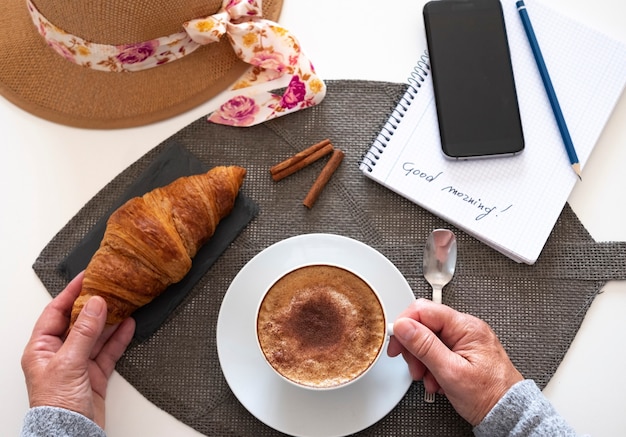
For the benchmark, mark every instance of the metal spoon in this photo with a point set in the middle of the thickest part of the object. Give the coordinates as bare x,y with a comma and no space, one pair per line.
439,265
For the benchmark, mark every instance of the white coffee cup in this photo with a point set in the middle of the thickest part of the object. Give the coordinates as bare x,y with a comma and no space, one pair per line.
321,326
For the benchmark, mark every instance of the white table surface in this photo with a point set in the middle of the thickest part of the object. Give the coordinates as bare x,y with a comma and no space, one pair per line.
49,171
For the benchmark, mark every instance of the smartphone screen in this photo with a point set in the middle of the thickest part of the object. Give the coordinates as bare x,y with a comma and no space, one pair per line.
473,79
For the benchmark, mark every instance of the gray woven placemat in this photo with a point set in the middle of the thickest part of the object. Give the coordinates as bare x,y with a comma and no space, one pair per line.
536,310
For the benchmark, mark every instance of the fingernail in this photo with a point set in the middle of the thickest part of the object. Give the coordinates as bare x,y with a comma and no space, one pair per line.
93,307
404,329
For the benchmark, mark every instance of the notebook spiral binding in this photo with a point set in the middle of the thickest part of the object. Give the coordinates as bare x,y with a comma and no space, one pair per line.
418,75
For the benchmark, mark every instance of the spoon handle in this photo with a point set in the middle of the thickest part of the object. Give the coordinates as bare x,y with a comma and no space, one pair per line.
437,291
429,397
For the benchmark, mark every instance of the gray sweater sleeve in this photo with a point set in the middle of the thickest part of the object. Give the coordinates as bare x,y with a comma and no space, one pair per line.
523,411
58,422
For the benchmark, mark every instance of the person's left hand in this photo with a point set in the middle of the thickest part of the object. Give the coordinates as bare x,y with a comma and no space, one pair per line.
73,374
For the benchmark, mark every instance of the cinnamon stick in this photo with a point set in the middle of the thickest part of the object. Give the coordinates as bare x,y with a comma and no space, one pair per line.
303,162
323,178
298,156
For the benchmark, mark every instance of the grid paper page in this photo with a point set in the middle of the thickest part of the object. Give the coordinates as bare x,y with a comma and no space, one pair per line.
512,203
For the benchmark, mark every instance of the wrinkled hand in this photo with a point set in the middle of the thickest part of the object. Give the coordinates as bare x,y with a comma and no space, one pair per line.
454,354
74,373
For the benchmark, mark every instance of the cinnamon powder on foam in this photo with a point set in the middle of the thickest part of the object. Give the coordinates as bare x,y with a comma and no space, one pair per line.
321,326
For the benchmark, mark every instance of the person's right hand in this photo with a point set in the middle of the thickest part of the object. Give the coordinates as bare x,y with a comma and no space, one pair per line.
455,354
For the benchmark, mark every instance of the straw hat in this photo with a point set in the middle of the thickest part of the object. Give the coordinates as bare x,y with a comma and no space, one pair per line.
39,80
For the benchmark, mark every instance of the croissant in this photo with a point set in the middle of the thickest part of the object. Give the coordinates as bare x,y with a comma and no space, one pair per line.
149,241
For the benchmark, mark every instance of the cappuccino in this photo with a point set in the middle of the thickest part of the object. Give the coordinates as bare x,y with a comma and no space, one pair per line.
321,326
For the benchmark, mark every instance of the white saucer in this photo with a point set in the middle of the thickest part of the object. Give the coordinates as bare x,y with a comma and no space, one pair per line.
283,406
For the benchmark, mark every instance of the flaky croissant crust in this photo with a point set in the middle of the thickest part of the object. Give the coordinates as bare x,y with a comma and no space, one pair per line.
149,241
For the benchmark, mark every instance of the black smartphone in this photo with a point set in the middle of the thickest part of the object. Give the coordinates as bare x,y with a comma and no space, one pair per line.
474,86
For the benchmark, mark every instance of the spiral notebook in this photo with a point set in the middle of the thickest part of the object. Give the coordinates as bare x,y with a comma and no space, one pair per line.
509,203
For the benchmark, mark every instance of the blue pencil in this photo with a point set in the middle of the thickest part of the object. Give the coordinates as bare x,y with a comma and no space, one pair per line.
547,82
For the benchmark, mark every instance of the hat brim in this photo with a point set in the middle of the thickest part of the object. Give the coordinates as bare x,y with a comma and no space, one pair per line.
38,80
